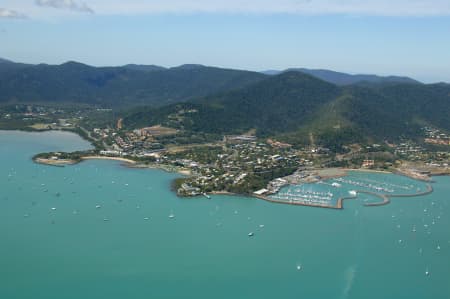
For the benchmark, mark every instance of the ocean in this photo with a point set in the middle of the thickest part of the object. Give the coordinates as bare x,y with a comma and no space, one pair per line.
101,230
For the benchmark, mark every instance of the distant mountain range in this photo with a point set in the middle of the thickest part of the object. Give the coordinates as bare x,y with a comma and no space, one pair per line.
339,78
133,84
298,106
125,86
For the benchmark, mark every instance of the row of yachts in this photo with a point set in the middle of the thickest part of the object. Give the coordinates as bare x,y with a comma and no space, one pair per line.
364,185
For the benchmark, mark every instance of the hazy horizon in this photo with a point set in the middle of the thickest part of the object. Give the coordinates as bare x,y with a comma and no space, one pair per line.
405,38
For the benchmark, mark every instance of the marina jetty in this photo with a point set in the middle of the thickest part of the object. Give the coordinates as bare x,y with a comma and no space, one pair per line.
292,195
385,199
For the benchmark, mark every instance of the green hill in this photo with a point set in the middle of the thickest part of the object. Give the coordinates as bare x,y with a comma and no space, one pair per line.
343,79
295,107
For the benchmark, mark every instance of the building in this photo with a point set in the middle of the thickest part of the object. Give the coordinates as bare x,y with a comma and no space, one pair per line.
368,163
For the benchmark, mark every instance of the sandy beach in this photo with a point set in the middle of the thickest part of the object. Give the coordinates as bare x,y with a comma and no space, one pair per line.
108,158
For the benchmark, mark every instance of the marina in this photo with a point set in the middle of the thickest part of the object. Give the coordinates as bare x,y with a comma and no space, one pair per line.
327,194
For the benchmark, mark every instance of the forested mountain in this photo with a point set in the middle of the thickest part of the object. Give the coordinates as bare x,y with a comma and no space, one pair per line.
115,86
297,107
143,67
7,66
294,106
339,78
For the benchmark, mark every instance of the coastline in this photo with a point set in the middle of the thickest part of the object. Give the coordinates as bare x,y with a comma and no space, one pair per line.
324,173
129,161
335,173
126,162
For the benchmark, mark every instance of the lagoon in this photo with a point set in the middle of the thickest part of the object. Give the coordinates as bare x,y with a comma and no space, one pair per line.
101,230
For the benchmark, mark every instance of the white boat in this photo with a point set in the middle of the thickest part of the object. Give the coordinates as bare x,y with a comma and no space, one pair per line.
352,192
171,216
98,206
207,196
337,185
251,234
299,267
53,209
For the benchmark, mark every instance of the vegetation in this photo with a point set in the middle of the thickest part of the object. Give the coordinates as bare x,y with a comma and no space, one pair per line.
126,86
300,109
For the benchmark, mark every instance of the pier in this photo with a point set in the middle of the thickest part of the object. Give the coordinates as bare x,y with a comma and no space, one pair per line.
296,203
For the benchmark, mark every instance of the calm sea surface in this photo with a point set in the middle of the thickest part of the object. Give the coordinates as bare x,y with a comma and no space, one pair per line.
101,230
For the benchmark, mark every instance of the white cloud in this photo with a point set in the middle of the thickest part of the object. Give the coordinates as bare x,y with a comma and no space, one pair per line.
66,4
10,14
393,8
302,7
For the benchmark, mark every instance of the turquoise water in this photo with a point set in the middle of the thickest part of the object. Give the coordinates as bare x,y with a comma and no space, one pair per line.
204,252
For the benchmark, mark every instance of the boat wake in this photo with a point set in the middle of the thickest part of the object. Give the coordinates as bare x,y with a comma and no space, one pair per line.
349,277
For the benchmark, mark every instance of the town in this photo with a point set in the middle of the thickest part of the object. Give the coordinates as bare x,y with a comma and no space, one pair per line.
241,164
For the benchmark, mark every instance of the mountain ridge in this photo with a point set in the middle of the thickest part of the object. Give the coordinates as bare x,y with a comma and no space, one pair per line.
342,79
115,86
293,106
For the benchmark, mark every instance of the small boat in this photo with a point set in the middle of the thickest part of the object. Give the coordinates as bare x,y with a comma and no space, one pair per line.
207,196
105,219
299,267
146,218
352,192
98,206
427,273
251,234
53,209
171,216
261,226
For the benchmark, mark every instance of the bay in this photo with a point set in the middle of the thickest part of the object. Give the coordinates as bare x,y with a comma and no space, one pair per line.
102,230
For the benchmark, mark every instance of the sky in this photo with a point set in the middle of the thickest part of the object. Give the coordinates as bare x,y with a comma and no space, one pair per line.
385,37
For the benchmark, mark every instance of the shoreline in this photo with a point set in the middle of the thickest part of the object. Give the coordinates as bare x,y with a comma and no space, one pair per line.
338,206
126,162
129,161
340,173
